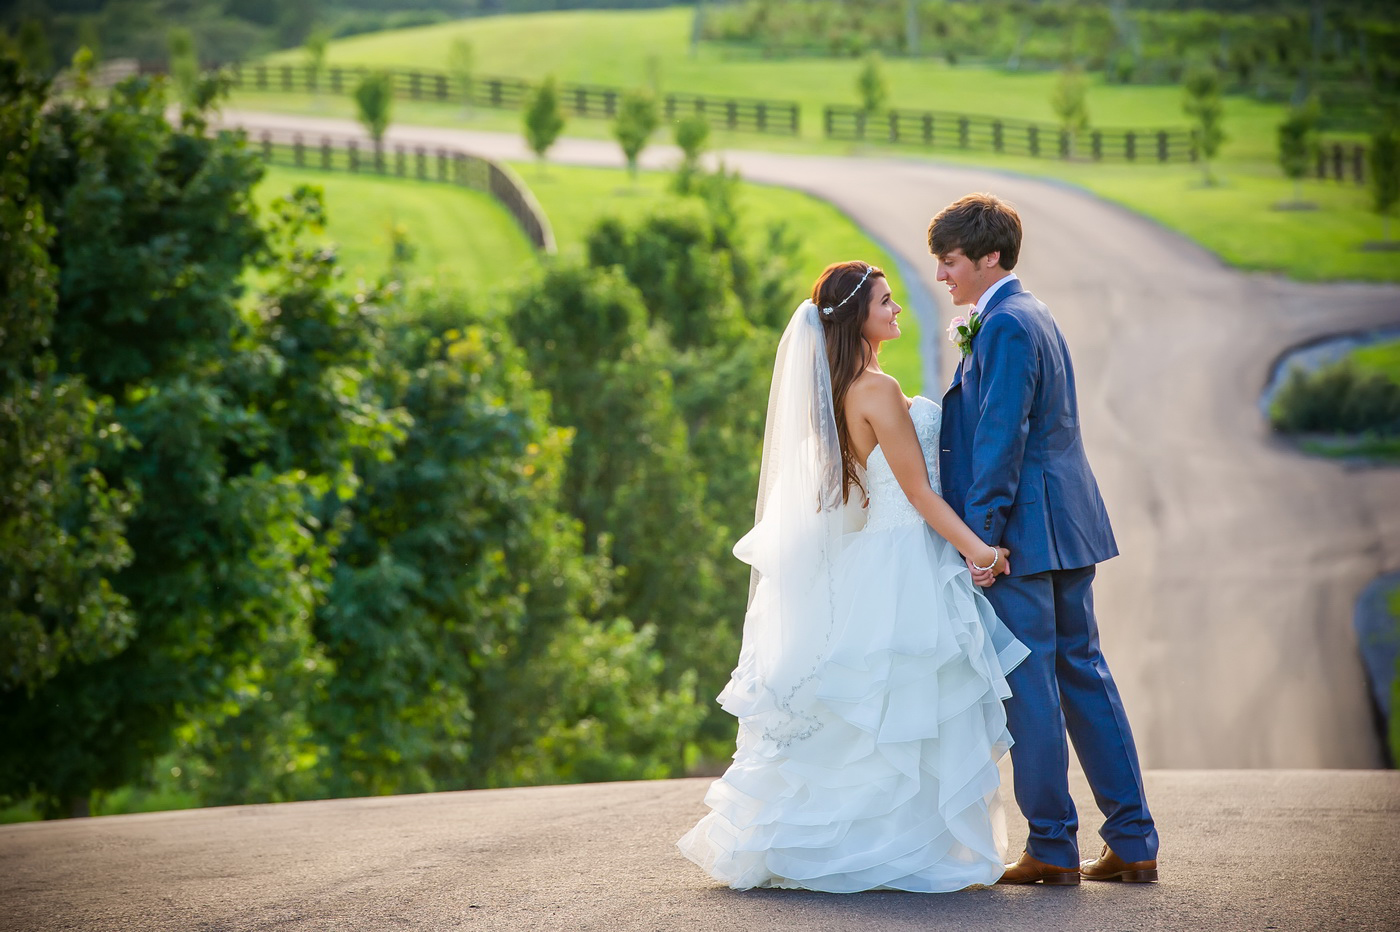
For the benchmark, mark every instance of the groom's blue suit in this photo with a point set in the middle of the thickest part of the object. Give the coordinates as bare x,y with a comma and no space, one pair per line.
1013,466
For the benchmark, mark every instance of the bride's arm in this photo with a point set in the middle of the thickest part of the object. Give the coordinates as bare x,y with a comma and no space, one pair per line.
884,408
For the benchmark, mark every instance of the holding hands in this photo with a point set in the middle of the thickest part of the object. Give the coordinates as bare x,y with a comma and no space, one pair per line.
997,562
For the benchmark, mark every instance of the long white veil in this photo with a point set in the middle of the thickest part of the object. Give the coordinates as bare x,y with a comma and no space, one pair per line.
799,522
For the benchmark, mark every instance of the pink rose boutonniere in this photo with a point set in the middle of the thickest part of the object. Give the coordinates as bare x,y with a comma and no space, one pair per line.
961,330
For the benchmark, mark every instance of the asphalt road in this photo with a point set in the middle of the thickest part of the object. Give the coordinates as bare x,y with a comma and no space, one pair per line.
1258,850
1227,620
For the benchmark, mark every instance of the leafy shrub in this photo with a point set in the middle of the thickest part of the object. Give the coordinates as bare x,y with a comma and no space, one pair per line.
1339,398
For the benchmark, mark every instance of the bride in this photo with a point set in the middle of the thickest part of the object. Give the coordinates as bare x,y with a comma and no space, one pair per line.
871,677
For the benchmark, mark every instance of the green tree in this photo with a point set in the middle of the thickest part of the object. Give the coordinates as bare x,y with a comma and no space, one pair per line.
184,63
691,134
544,118
872,87
637,119
315,48
374,105
35,51
1201,101
1298,145
1069,100
461,62
239,480
61,524
1384,157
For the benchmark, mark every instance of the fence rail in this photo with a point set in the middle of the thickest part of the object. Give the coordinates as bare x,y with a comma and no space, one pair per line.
736,114
425,163
933,129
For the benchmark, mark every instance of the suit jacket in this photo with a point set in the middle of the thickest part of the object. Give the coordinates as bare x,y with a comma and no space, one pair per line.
1012,458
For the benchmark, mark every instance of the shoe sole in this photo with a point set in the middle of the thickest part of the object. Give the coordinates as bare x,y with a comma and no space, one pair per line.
1143,876
1050,880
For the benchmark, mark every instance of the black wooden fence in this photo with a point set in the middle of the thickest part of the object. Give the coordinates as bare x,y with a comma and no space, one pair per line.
737,114
1338,159
425,163
932,129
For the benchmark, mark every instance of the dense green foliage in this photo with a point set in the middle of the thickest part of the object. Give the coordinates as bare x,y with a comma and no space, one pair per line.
1201,102
1339,398
297,540
374,105
1384,157
1298,144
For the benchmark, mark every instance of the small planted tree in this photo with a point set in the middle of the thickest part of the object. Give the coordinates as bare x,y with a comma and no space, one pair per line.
544,118
1070,101
184,63
1385,176
374,103
1297,146
637,119
691,133
1201,102
872,87
315,48
461,62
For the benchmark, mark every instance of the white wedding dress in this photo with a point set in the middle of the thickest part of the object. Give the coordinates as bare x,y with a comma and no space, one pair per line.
893,781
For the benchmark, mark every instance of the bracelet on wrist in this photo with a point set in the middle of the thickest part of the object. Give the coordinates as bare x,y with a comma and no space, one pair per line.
996,558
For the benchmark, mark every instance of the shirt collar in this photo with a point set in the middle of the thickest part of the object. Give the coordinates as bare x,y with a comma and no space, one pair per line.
987,295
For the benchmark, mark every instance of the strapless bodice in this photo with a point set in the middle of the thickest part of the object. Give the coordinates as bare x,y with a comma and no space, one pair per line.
888,505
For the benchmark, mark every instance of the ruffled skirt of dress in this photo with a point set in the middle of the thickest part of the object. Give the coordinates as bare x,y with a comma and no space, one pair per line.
898,787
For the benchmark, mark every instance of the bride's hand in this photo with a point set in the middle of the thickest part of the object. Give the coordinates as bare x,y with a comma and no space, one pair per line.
985,577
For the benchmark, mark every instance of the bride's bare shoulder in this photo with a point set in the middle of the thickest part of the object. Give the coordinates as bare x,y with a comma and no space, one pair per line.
874,391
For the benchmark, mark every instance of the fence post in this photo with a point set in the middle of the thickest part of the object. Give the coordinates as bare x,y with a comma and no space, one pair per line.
287,82
610,104
1358,164
1033,140
267,146
997,144
860,125
494,87
1130,146
792,112
399,166
297,155
415,85
894,125
420,166
762,117
325,152
460,168
1337,162
963,126
826,121
1162,145
352,152
731,113
1096,140
1064,144
927,128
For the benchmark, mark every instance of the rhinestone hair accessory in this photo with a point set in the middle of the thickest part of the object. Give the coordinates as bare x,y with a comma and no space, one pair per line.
828,311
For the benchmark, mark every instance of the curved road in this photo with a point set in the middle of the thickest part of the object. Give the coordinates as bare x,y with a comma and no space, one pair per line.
1227,619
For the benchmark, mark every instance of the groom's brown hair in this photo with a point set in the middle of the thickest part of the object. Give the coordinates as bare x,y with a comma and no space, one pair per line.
977,224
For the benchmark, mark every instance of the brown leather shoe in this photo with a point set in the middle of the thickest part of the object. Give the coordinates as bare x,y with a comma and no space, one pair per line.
1109,866
1029,870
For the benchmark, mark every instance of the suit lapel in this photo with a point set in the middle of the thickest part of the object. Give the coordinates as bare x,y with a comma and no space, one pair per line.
1012,287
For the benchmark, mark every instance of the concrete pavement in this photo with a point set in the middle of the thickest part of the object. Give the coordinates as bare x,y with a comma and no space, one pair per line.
1295,851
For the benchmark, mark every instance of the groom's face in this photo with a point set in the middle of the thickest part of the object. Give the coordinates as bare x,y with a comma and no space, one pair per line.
966,279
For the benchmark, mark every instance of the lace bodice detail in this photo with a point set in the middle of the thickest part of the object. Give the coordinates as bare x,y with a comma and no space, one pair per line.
888,505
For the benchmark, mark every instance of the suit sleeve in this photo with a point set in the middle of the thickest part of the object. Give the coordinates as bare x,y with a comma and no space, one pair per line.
1006,387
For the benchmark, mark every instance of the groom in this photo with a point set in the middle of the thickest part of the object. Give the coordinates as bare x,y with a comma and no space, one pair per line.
1013,466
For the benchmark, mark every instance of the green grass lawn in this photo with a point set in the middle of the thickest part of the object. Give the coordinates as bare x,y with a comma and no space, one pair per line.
1381,359
462,238
1235,219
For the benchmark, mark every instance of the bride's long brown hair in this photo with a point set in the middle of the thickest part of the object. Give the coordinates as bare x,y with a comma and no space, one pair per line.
848,352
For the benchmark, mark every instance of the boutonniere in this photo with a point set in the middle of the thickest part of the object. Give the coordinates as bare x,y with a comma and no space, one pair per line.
961,330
